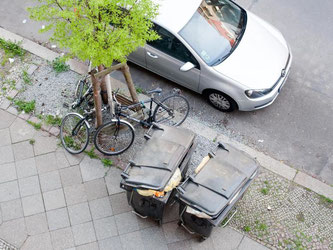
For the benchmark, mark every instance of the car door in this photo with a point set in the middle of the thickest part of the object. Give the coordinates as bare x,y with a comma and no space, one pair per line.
138,56
167,55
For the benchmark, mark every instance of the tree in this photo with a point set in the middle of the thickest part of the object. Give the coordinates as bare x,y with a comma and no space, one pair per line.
102,31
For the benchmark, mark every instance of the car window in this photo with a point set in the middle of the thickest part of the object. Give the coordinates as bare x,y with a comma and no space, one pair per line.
170,45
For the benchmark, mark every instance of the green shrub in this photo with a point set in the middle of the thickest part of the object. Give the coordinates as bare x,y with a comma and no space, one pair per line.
27,107
59,65
11,49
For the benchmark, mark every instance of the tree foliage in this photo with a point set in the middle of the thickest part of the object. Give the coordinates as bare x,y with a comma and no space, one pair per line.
101,31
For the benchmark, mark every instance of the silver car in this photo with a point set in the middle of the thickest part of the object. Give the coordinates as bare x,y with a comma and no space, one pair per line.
216,48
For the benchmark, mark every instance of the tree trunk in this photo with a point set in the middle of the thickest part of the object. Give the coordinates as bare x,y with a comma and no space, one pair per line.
130,85
97,98
109,93
103,86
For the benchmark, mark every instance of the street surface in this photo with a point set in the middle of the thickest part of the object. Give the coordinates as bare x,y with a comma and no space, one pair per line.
298,127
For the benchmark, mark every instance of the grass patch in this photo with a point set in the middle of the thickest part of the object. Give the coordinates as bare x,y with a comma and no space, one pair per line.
32,141
11,49
37,126
27,107
59,65
53,120
247,229
139,90
26,78
325,200
91,153
107,162
265,190
70,143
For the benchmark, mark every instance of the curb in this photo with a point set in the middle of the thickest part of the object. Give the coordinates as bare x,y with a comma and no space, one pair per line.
265,161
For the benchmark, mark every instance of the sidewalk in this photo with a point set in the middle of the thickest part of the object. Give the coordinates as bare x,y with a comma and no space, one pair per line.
51,199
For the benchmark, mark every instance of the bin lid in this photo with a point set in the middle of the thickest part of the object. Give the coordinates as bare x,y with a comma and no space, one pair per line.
218,182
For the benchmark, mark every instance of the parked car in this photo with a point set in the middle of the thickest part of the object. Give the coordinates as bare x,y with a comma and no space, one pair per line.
216,48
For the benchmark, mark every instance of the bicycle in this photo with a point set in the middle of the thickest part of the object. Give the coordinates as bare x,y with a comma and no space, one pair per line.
172,110
75,131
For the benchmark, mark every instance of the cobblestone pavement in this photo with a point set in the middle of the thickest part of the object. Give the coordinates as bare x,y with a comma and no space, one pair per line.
284,215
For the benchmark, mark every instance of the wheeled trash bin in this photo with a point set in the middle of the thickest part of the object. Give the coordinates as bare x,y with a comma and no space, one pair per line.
157,169
208,195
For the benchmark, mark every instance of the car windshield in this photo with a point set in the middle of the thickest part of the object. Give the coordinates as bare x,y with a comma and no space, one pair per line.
215,29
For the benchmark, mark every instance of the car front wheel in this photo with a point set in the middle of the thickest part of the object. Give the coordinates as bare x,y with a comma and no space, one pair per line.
221,101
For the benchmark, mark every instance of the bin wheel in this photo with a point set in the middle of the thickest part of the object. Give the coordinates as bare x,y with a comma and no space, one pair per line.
159,222
179,223
202,238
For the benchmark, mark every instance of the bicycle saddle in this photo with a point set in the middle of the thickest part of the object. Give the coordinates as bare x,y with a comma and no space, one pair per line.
157,90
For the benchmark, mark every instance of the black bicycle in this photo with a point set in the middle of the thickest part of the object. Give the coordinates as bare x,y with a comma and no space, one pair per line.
171,110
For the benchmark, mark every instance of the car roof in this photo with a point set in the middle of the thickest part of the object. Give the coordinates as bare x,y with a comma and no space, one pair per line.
174,14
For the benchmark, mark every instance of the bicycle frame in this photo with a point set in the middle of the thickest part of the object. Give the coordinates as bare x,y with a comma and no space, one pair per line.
78,125
150,115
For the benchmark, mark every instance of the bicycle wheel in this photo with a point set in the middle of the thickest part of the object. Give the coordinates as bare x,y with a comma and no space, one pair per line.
114,137
76,141
173,110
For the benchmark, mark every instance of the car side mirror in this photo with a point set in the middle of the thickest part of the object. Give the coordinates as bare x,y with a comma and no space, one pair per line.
187,66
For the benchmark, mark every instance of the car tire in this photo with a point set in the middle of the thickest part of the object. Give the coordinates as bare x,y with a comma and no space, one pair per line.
220,101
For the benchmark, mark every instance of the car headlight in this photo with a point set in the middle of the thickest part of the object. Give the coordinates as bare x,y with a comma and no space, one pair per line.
256,93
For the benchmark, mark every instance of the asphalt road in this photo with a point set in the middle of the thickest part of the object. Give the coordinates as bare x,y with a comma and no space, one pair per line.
298,127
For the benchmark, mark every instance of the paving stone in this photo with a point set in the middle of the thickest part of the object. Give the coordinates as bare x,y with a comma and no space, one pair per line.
54,199
34,119
0,217
32,204
226,238
6,119
11,210
36,224
119,203
5,137
57,218
153,238
173,232
24,116
95,189
62,238
70,176
44,143
91,169
89,246
46,163
196,244
5,104
180,245
84,233
100,208
9,191
55,131
20,130
112,181
145,223
75,194
8,172
14,231
12,110
6,154
112,243
62,161
12,93
79,213
38,242
46,127
248,243
132,241
126,223
29,186
105,227
73,159
22,150
50,181
26,168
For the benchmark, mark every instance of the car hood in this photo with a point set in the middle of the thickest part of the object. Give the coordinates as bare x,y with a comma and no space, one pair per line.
259,57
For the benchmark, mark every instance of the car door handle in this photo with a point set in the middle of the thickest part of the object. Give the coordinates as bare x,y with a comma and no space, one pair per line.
152,55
